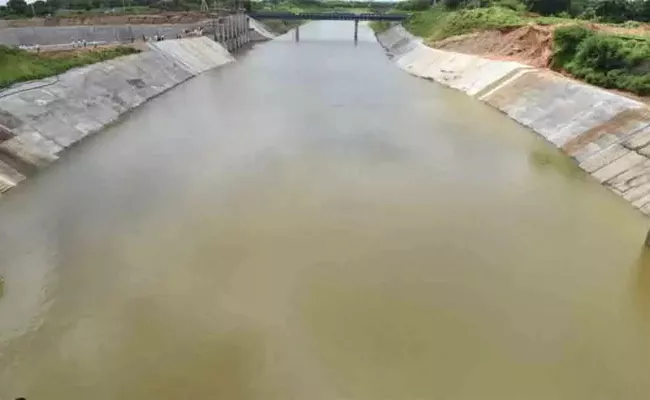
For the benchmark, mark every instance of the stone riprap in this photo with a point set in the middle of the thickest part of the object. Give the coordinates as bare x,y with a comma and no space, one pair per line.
607,134
40,119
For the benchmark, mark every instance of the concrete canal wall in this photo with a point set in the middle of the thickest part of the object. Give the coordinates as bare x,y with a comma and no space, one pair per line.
608,135
40,119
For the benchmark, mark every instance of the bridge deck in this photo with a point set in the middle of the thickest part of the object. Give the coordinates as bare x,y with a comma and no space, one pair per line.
327,16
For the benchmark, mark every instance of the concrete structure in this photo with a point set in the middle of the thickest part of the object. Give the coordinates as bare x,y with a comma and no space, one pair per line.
328,16
607,134
232,31
260,31
40,119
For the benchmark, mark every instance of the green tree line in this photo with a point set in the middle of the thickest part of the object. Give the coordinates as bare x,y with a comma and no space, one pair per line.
598,10
19,8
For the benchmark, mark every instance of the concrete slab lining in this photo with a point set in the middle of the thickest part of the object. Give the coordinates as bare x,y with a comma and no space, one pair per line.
50,115
607,134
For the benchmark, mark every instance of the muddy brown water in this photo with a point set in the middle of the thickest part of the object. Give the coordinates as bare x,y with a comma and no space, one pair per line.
313,223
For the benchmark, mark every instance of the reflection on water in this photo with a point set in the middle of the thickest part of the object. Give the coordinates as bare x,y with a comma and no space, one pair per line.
543,157
312,223
642,285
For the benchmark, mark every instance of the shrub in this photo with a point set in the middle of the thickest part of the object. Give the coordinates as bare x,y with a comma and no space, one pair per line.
453,4
614,10
565,43
414,5
548,7
515,5
610,61
631,24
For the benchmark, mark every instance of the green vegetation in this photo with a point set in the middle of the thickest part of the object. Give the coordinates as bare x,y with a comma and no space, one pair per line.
614,11
20,65
380,26
20,9
438,23
297,6
281,26
610,61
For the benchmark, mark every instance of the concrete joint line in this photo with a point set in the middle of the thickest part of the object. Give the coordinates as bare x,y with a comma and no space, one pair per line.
6,181
501,82
49,138
604,128
605,182
629,135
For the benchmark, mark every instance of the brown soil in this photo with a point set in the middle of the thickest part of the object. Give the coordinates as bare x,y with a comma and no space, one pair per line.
108,19
70,52
530,44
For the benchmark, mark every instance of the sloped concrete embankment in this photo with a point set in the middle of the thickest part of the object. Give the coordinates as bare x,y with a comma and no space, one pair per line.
260,31
607,134
40,119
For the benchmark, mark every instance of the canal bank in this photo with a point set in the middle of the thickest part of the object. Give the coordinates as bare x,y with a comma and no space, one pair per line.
364,236
607,134
40,119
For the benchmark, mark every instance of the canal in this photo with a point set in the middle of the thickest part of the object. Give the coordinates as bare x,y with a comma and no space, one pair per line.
313,223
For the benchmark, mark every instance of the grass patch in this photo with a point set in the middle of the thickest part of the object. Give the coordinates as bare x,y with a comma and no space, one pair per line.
281,26
380,26
614,61
19,65
606,60
438,23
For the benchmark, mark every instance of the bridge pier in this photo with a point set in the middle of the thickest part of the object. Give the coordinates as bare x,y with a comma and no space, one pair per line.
356,30
327,16
232,31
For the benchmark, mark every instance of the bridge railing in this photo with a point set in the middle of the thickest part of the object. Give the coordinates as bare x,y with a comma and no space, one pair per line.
329,16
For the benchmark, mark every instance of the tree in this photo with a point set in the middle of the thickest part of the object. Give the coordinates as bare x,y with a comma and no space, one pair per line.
641,10
614,10
40,7
549,7
414,5
578,7
17,6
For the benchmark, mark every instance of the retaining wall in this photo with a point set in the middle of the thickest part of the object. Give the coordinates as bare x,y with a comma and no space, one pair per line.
40,119
607,134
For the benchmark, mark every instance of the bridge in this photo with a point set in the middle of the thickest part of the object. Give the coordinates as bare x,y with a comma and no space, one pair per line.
328,16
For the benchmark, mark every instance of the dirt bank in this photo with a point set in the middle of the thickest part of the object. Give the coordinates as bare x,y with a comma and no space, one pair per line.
135,19
529,44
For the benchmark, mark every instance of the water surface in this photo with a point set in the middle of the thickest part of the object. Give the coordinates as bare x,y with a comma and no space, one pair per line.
312,223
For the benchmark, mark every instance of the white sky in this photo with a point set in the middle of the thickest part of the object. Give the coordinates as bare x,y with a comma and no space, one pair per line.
3,2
